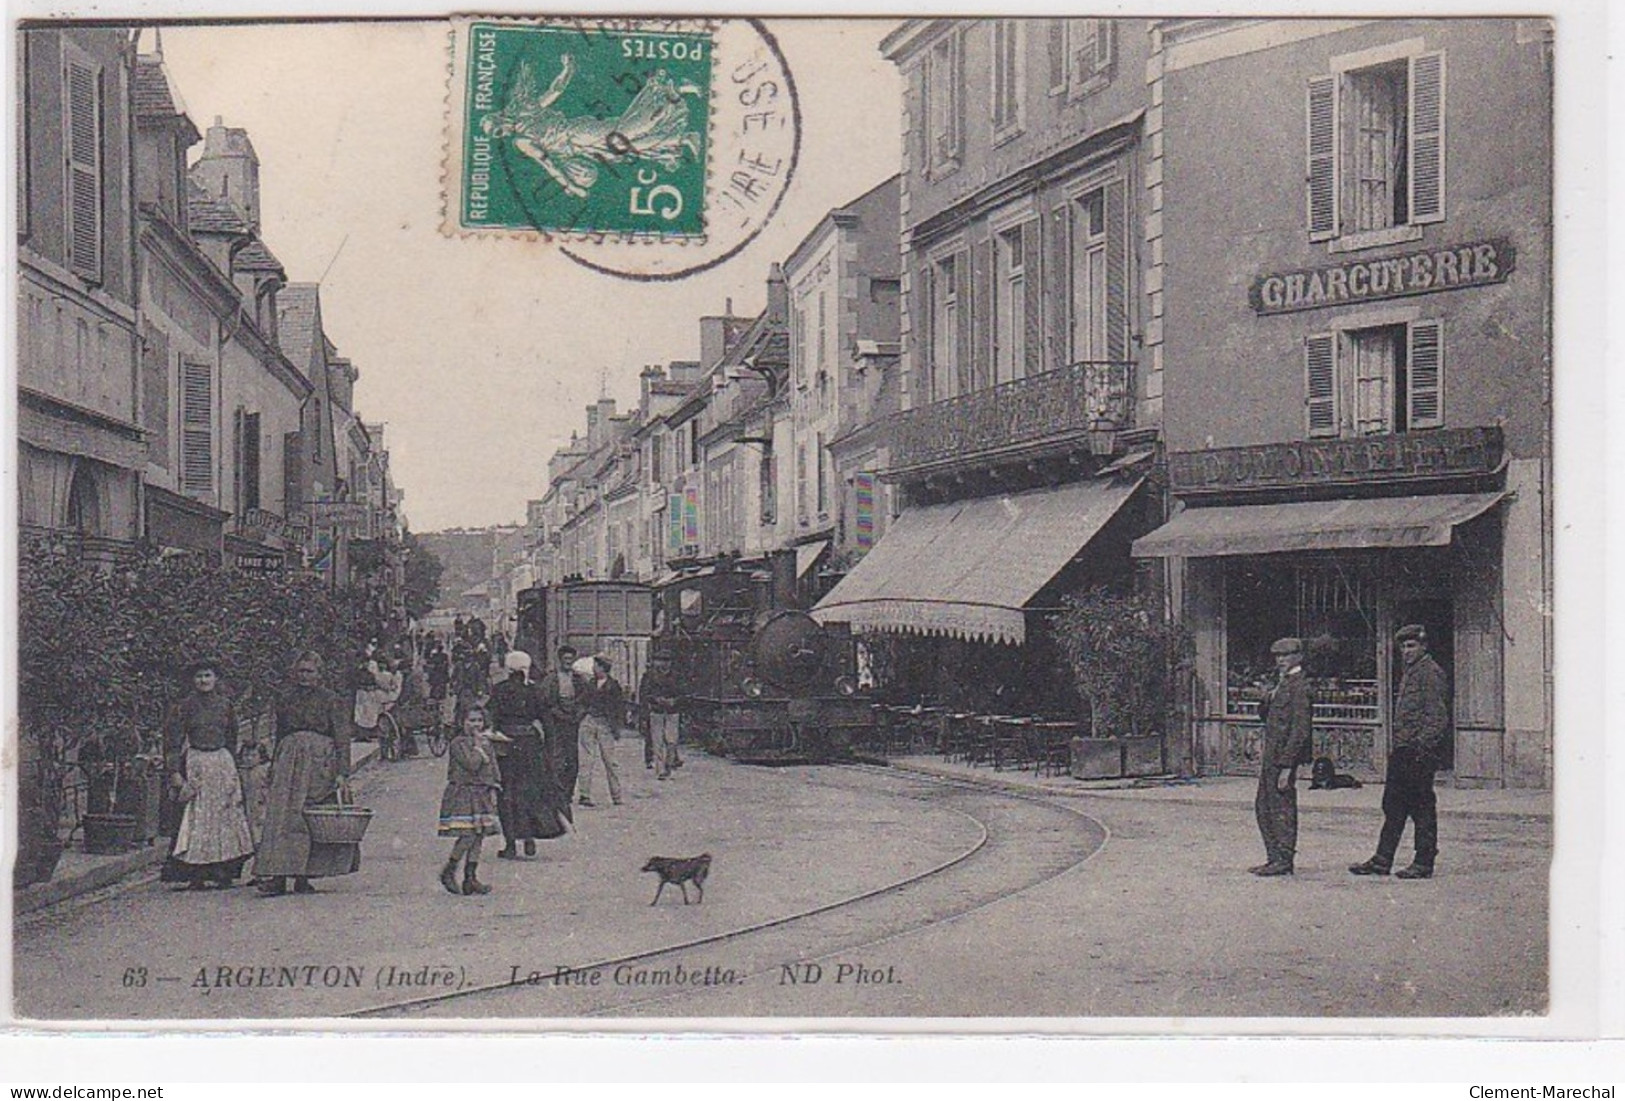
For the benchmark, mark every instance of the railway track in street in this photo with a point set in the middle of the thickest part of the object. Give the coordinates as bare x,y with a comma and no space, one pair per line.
1024,841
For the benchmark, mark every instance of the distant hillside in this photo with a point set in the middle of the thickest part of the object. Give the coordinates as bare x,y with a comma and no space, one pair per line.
465,558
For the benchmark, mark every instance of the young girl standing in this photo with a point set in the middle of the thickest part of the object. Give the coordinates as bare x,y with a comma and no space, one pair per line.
468,809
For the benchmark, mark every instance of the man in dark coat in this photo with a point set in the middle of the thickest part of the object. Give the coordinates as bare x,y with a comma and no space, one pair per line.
1287,744
1421,725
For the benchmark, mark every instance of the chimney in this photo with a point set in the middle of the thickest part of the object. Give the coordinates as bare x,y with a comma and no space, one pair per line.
230,169
778,294
649,376
713,341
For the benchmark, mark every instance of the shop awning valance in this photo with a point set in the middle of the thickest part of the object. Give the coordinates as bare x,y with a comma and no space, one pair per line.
1314,526
967,569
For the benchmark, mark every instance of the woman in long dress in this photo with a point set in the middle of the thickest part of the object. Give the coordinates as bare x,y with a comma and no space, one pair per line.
562,698
212,839
515,710
312,758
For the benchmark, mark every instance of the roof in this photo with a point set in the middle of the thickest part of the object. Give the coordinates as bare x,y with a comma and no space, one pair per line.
254,256
206,213
298,314
948,569
1426,521
153,94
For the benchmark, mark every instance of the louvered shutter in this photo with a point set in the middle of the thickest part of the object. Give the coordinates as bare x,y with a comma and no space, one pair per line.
983,305
251,461
293,455
1425,374
1116,271
197,428
82,97
956,97
924,305
1032,312
1320,384
964,349
155,393
1427,138
1058,283
1322,148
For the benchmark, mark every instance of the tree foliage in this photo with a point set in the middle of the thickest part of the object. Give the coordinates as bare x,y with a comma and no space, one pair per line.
422,583
1122,655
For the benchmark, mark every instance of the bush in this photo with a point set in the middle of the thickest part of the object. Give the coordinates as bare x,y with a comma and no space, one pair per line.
1122,655
103,654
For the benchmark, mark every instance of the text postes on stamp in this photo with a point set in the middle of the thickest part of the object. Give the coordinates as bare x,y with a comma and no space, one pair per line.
647,148
586,130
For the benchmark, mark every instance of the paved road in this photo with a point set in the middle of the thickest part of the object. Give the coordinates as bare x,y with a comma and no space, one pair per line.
1161,921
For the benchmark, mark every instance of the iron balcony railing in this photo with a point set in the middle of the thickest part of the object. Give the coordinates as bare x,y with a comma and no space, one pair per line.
1083,399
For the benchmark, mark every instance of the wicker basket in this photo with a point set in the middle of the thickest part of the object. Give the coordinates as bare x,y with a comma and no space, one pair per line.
337,825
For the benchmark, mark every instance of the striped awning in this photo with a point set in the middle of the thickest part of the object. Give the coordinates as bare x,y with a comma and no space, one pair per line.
968,569
1425,521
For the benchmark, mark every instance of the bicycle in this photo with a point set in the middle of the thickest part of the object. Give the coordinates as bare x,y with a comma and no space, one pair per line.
390,736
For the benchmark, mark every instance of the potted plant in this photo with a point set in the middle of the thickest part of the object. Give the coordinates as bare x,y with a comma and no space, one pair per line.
1121,653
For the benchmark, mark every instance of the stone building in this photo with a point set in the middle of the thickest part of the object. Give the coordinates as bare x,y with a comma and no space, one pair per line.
1355,266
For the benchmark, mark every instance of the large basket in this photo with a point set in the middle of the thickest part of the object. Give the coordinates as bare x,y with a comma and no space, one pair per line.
337,825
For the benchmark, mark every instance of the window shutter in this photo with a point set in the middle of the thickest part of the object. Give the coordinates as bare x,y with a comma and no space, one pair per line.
925,355
1425,373
238,490
293,454
82,96
982,304
1116,271
1322,146
155,380
1427,138
197,428
251,461
1032,287
1055,41
1058,279
1320,384
964,349
956,96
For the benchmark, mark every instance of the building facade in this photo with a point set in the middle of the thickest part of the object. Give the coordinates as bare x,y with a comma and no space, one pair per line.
1355,270
82,447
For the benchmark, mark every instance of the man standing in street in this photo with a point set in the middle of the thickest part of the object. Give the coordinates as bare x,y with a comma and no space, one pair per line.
1287,744
600,730
1421,725
658,695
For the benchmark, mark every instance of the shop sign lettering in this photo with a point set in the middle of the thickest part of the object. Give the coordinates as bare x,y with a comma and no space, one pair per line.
1479,264
1446,453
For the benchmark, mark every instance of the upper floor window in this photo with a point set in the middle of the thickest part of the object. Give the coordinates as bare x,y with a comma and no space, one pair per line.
944,110
1375,380
1010,307
1081,54
1007,51
945,277
197,427
1376,146
82,140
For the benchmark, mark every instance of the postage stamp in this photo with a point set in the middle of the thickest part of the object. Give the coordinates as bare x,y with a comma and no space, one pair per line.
607,137
586,130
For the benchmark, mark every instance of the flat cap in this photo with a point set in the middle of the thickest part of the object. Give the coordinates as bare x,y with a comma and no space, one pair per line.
1287,646
1411,631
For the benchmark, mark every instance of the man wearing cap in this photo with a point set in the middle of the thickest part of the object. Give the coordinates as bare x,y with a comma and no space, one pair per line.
1287,744
1421,725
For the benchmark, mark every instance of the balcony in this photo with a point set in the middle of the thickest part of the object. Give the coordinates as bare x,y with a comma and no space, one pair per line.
1085,404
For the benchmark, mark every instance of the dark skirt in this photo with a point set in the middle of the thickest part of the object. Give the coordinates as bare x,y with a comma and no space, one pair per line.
523,801
561,761
303,774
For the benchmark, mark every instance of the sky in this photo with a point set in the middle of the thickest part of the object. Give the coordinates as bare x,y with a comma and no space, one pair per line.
480,356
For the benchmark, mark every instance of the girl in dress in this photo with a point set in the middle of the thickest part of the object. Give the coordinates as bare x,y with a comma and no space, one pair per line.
468,809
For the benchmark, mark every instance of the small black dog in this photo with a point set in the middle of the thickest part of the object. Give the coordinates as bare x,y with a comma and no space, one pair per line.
681,871
1323,774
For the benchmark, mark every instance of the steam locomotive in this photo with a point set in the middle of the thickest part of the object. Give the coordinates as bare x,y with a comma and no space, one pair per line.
765,682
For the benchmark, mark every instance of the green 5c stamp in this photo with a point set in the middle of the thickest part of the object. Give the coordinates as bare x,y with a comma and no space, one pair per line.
583,129
612,136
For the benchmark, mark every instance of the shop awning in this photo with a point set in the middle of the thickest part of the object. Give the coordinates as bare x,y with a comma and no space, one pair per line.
1314,526
807,554
967,569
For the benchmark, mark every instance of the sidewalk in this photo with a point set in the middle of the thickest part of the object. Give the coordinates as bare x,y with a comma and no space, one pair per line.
1235,791
80,873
